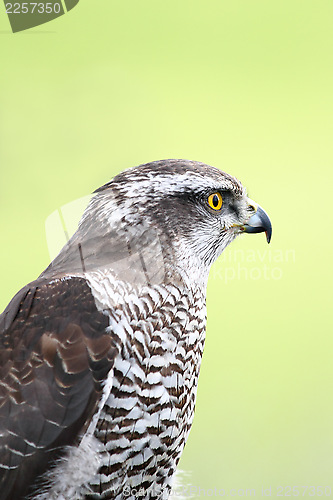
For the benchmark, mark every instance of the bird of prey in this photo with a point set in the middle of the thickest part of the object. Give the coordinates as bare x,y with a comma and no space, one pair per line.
100,356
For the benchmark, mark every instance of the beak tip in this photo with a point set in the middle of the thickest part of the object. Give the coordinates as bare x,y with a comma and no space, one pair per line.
268,236
258,223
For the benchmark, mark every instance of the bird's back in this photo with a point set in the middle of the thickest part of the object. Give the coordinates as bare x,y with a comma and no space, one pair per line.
54,356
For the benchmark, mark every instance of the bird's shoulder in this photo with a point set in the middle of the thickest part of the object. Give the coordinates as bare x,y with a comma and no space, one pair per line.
55,354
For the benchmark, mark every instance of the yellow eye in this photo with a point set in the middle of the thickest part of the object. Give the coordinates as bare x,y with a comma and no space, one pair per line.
215,201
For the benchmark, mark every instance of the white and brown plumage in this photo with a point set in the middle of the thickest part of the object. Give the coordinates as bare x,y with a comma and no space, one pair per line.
100,356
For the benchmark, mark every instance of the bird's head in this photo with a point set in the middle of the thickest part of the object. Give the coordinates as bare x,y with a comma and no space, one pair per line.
196,209
169,214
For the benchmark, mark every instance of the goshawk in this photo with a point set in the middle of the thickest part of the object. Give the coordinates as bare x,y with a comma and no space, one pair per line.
100,356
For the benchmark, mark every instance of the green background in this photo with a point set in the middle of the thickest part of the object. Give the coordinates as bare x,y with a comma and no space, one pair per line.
245,86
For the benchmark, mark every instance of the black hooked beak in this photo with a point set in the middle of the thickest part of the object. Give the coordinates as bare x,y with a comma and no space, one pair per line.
258,223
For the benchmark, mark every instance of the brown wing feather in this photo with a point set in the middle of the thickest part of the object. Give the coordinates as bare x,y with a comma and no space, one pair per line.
54,356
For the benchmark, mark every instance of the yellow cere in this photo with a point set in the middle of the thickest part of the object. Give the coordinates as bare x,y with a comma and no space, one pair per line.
215,201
